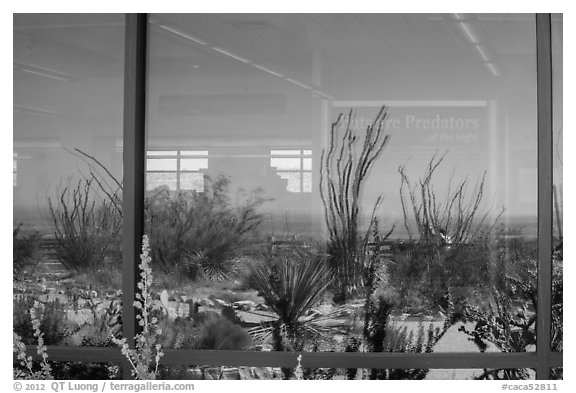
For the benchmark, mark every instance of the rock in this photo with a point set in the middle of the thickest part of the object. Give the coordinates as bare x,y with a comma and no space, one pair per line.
244,305
259,373
231,373
220,303
225,373
261,307
164,298
195,374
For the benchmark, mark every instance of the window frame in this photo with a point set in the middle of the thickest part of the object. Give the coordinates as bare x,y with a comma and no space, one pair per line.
542,360
178,171
303,154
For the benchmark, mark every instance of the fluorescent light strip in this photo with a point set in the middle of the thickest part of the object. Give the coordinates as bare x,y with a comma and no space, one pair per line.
493,69
224,52
268,70
35,111
39,73
482,53
466,29
183,35
299,84
323,94
42,71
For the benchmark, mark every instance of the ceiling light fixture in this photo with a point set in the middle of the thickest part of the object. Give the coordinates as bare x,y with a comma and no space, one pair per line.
318,92
467,29
43,72
268,70
35,111
493,69
299,84
482,53
183,35
232,55
40,73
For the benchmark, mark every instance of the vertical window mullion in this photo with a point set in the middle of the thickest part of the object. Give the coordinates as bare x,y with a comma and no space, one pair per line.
134,157
301,171
544,103
178,157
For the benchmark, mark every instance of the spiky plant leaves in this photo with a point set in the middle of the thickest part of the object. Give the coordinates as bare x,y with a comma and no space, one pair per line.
291,284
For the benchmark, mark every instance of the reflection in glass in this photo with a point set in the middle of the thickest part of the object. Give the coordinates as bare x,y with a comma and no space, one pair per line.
67,195
160,164
329,374
557,373
558,206
83,371
371,187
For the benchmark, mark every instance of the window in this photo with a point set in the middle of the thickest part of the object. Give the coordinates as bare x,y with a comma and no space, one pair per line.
179,170
462,83
15,170
295,166
67,175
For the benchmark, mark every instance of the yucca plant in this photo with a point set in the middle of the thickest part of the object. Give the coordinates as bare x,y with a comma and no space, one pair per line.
291,283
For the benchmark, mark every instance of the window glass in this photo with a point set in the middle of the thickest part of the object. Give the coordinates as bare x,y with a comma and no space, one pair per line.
159,179
162,153
192,181
558,166
193,164
67,194
161,164
383,165
286,163
339,374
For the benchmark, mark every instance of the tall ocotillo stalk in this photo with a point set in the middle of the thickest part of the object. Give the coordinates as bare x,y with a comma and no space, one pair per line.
456,220
343,172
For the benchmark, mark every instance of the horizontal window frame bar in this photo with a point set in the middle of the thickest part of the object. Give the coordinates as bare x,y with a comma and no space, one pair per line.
176,171
310,359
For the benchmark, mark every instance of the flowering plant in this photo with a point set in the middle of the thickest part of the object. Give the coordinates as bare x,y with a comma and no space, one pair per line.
18,347
146,346
298,373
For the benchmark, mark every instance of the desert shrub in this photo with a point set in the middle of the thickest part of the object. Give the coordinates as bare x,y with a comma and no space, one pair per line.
102,280
221,333
53,322
453,246
206,331
423,274
200,234
381,336
86,227
105,325
83,371
508,320
180,333
24,249
378,335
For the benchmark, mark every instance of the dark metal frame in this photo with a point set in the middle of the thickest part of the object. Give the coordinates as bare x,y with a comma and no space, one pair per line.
134,166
